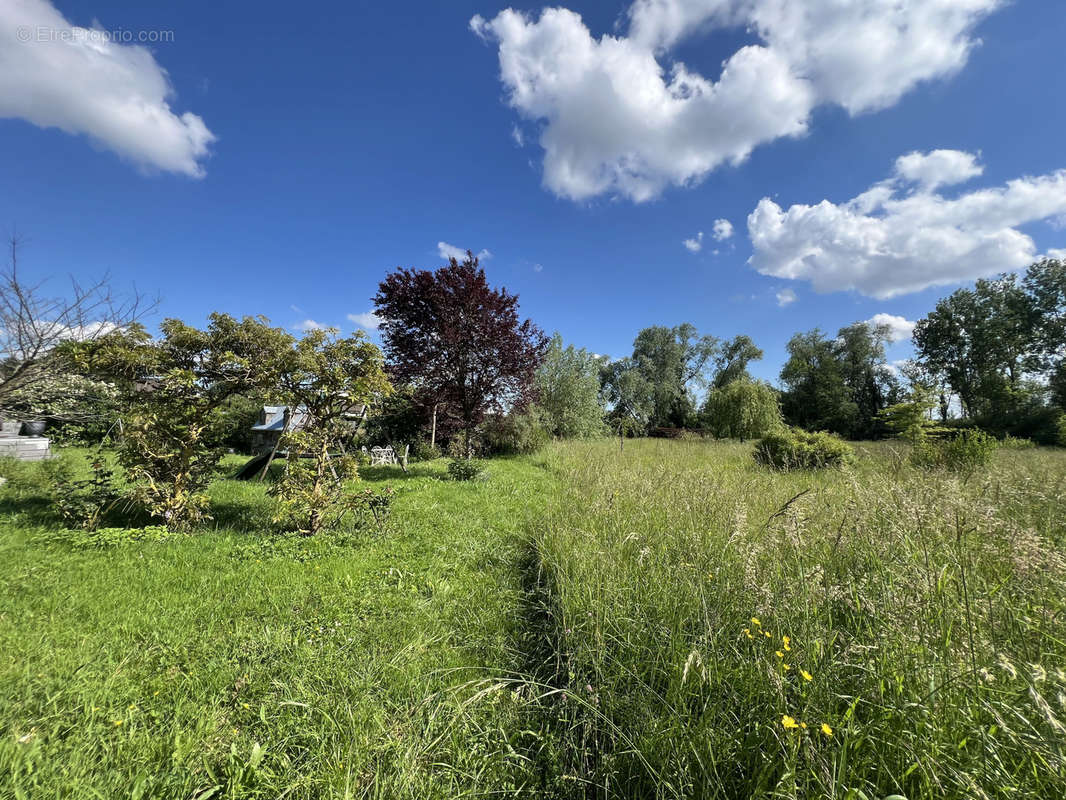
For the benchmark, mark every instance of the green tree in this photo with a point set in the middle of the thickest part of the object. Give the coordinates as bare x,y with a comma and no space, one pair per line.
176,387
568,391
327,379
742,409
671,365
816,396
733,359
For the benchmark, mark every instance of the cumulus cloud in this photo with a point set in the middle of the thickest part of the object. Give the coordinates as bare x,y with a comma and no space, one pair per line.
901,236
695,244
786,297
938,168
446,250
620,116
723,229
367,320
899,328
309,325
58,75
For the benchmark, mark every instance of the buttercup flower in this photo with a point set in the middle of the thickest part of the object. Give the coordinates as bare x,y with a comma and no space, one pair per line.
789,723
806,675
826,729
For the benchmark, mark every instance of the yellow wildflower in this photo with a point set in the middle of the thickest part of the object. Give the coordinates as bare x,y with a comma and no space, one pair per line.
826,729
787,640
118,722
787,667
789,723
767,634
803,725
779,654
755,621
806,675
747,632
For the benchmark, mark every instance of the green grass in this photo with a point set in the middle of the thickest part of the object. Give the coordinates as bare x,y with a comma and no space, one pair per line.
232,664
575,625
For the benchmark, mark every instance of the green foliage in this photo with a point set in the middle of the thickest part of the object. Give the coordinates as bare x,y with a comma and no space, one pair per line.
838,384
517,433
79,409
989,343
92,538
376,506
1062,430
967,451
327,378
568,392
176,389
465,469
792,448
1009,442
422,450
743,409
83,502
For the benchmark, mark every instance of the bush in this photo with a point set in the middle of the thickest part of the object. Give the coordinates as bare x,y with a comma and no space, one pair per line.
465,469
792,448
1009,442
422,450
84,502
967,451
515,434
1061,425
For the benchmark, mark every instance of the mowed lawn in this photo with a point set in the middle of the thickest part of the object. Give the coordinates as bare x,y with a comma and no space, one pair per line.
230,663
665,621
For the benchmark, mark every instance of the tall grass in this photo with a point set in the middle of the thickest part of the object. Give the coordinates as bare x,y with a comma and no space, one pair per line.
712,616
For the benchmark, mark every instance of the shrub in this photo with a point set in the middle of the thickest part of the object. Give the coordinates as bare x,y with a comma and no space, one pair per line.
515,434
968,450
377,507
84,502
1061,425
422,450
792,448
1009,442
465,469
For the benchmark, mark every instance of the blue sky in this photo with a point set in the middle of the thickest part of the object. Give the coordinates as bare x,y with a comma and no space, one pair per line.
329,148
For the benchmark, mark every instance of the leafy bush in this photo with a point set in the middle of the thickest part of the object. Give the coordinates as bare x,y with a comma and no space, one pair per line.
792,448
83,502
465,469
422,450
377,507
1062,430
515,434
968,450
1009,442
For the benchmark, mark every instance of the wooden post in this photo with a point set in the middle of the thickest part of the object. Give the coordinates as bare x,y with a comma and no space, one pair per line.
433,430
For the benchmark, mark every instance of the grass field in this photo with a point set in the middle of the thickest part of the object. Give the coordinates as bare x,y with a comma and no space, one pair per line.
668,621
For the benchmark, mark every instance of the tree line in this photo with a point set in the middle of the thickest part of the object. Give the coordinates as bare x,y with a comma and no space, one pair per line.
461,371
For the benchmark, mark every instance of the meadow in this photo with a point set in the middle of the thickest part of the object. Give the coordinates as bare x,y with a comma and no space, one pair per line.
666,620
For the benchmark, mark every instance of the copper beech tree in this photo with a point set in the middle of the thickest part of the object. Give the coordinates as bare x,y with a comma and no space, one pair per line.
459,340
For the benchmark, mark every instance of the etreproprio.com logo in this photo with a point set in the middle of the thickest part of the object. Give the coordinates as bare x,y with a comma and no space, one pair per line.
40,33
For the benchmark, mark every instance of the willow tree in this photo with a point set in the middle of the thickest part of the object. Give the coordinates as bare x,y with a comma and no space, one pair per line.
743,409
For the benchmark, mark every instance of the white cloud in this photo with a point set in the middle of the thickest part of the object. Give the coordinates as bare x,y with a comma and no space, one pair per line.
368,320
57,75
1057,253
446,250
899,328
538,267
723,229
696,244
309,325
620,116
896,238
938,168
518,136
786,297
